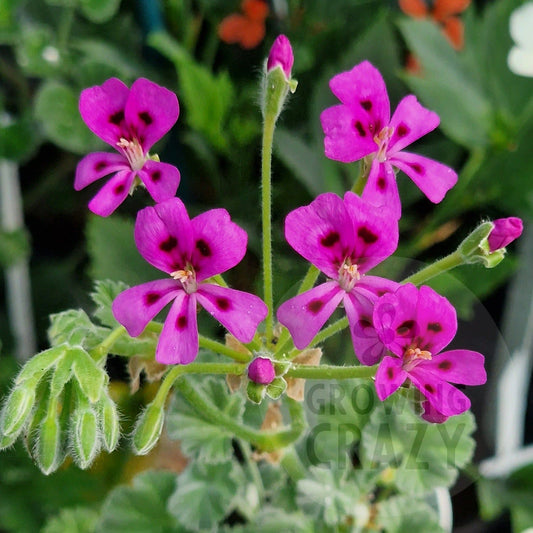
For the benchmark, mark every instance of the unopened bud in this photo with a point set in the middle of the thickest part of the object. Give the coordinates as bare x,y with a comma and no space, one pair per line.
84,437
48,455
475,248
109,422
505,231
148,429
15,413
281,55
261,370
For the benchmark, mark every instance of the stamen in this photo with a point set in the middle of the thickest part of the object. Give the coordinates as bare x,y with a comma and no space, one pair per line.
187,278
133,152
348,275
417,353
382,140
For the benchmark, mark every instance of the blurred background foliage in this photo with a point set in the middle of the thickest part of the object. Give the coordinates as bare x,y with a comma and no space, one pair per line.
51,49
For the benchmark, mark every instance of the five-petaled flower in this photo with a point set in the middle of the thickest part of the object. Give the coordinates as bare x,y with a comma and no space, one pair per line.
361,127
190,252
344,239
416,325
131,121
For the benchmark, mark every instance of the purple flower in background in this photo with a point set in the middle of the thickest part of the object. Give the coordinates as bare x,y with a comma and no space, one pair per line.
281,54
361,126
190,252
131,121
261,370
505,231
344,239
416,325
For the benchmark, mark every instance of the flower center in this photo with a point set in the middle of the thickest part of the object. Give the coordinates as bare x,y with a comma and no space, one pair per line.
413,356
187,278
133,152
382,139
348,275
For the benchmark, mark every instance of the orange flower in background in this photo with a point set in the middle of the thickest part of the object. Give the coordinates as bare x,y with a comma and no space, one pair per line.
444,13
248,29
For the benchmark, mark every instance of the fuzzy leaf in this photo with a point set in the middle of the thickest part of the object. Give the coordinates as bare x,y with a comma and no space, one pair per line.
89,375
402,513
76,520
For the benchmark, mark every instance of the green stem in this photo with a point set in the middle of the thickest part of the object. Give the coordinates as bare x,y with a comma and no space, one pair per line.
251,466
100,351
323,335
438,267
222,349
360,182
267,441
266,203
292,464
331,372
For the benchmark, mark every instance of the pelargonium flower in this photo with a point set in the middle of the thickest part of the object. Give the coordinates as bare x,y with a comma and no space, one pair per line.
361,126
416,325
505,231
281,55
131,121
344,239
190,252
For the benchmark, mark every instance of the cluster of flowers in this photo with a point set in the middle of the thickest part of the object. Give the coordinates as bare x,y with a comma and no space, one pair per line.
401,327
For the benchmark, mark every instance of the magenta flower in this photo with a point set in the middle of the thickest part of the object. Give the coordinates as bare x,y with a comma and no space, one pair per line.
505,231
281,54
344,239
361,126
416,325
190,252
261,371
131,121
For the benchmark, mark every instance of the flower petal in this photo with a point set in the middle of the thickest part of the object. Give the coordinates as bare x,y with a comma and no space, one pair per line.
97,165
178,342
239,312
164,235
430,414
321,232
458,366
135,307
363,88
410,121
160,179
219,244
347,136
112,194
102,109
375,232
414,8
306,313
445,398
433,178
381,189
151,110
389,377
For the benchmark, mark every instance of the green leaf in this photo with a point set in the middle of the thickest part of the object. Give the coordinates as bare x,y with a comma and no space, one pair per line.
274,520
18,141
204,494
56,107
99,11
91,377
36,49
207,97
103,295
113,254
199,438
424,455
40,364
448,86
141,507
73,328
401,513
77,520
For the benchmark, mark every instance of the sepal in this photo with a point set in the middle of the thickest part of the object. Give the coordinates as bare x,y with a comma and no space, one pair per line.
148,429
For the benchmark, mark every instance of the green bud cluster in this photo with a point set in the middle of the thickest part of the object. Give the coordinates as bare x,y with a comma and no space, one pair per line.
475,248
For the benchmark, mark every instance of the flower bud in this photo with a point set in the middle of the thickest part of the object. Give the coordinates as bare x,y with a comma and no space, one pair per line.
109,422
148,429
15,414
48,454
261,370
281,54
505,231
84,437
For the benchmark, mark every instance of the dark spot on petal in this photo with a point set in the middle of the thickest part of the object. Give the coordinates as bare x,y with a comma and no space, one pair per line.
390,372
98,167
402,130
155,175
405,327
382,183
169,244
429,388
419,169
119,189
365,322
330,239
381,292
434,326
359,127
117,118
151,298
146,117
181,322
223,304
366,105
445,365
314,306
203,248
367,235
